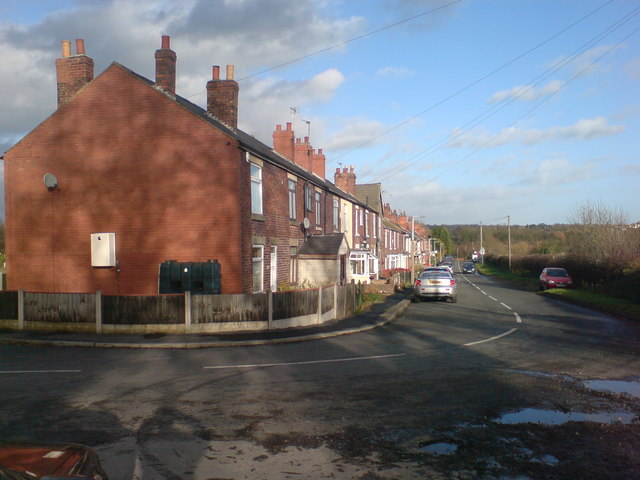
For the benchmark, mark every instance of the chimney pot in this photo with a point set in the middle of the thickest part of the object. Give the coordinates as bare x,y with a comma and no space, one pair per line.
230,69
278,128
306,139
166,41
216,72
289,126
80,46
66,48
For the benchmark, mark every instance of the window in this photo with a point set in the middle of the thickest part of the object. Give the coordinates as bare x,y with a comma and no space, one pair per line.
375,225
318,209
357,230
366,224
256,189
308,198
344,218
361,218
357,261
292,199
336,215
258,268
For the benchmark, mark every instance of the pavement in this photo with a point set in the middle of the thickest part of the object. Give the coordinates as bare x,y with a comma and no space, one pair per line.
378,315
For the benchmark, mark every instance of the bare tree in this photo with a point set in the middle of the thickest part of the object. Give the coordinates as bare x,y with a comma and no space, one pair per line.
602,235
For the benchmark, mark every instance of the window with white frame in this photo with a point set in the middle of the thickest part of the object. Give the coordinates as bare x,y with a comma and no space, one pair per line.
357,230
345,216
366,224
375,225
358,264
292,199
258,268
336,215
256,189
318,209
308,198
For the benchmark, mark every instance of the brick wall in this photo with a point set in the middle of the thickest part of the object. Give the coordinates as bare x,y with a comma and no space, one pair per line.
128,160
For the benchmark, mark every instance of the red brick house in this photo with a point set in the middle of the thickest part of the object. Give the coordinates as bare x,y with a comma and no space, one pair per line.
126,175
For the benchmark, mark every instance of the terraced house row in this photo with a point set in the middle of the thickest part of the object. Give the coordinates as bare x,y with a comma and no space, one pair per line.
129,188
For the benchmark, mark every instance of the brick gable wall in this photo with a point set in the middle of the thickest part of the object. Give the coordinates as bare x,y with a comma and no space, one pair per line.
130,161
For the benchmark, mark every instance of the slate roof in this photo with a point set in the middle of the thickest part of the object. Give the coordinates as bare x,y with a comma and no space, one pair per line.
254,145
322,244
370,194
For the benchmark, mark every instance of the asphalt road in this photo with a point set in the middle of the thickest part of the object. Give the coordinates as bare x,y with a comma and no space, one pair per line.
445,391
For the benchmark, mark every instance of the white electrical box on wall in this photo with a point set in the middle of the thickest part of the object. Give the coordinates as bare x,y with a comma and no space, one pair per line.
103,249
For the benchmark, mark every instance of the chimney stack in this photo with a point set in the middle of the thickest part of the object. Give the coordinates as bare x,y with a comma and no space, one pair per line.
222,97
302,153
283,141
346,179
73,71
166,66
318,161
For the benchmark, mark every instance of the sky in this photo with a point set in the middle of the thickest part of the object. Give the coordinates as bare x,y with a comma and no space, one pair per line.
466,111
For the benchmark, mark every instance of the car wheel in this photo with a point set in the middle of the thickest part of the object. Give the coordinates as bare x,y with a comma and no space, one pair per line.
454,299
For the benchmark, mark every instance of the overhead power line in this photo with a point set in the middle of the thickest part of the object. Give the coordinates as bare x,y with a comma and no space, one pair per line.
472,84
514,96
346,42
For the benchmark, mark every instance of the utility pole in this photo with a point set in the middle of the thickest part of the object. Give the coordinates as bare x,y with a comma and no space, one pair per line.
481,247
509,235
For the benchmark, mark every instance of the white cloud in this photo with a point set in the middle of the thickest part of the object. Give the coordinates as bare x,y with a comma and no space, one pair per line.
585,129
354,133
527,92
397,72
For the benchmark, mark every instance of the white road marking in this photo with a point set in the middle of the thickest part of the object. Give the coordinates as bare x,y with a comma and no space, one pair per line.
39,371
493,298
483,292
518,319
492,338
309,362
505,306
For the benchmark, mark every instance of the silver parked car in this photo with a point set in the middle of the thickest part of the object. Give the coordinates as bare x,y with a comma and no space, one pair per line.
436,285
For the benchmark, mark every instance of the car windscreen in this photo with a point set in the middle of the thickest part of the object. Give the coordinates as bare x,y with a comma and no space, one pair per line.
434,275
557,272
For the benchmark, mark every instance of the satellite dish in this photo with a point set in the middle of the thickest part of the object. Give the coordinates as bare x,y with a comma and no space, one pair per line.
306,223
50,181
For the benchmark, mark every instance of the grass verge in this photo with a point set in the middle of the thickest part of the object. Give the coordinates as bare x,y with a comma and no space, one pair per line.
586,298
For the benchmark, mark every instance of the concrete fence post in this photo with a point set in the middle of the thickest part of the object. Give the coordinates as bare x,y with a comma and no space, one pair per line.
335,301
187,311
98,311
319,305
20,309
269,309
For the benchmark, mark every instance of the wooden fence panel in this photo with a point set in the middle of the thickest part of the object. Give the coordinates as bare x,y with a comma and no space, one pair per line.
60,307
8,305
143,309
327,299
237,308
294,304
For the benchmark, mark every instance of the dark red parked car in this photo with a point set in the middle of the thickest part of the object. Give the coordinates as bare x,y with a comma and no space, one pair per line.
27,461
554,277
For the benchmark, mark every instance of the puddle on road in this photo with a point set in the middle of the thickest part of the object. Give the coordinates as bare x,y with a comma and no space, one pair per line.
631,388
441,448
615,386
554,417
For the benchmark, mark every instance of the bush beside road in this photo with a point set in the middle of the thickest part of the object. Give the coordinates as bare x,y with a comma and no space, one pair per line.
590,298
